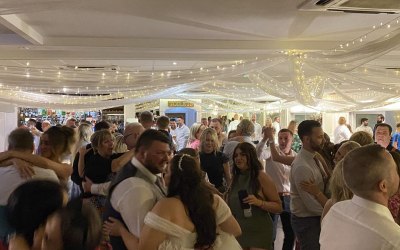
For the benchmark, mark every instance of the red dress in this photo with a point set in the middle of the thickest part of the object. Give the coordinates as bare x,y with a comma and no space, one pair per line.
394,205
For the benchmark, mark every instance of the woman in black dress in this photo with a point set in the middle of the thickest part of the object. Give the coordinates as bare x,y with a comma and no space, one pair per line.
213,161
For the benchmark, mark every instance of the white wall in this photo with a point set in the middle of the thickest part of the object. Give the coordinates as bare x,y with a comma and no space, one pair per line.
130,113
8,122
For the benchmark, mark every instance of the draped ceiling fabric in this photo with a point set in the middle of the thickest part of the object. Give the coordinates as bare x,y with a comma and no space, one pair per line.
340,79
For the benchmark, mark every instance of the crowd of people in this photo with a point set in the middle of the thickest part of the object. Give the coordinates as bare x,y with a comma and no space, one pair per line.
159,184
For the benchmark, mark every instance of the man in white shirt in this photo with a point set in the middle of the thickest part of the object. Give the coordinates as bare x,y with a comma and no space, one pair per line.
364,127
172,130
257,136
277,126
15,174
364,222
18,172
243,131
182,133
137,187
233,124
306,168
280,174
341,132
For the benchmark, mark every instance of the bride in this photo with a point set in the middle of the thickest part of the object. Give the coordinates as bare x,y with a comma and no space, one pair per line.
191,217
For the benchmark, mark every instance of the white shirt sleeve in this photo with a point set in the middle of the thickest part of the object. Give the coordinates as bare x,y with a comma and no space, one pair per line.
263,153
133,199
101,188
346,133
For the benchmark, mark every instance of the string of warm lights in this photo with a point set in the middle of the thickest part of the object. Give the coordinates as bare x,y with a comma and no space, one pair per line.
332,79
381,27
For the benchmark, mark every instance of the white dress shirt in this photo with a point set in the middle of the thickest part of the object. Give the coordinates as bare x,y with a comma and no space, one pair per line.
367,129
10,179
182,136
341,133
134,197
233,125
280,173
359,224
257,132
277,127
305,168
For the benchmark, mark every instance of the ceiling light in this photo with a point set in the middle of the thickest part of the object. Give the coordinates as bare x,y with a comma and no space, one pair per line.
174,63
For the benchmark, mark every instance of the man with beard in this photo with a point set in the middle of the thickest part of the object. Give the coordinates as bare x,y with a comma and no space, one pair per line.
308,170
379,120
364,222
138,186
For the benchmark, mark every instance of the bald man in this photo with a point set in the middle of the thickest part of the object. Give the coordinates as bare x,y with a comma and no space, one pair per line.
364,222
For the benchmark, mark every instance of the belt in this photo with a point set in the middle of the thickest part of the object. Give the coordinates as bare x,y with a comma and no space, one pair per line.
284,193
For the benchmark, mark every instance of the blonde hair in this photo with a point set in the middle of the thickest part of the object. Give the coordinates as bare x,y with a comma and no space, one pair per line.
214,137
342,120
99,137
292,126
362,138
350,145
337,185
85,131
194,129
120,146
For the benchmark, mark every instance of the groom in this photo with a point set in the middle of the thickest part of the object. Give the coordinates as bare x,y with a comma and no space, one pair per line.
138,186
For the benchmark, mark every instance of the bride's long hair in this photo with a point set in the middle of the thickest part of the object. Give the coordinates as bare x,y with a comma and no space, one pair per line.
187,183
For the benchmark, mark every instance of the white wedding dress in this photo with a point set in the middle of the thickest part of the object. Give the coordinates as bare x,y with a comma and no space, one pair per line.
181,239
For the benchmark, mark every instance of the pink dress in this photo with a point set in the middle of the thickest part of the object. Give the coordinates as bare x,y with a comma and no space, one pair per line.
194,144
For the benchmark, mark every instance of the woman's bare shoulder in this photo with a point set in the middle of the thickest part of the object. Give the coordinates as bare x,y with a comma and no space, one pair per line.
168,206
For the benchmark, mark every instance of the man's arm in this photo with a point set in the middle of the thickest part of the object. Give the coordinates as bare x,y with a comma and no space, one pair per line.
287,160
118,163
100,188
262,152
62,170
301,175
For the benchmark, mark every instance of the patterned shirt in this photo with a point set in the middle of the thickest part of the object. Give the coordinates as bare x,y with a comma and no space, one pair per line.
296,144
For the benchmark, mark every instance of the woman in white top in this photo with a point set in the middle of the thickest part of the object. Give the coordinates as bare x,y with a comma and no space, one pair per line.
191,217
